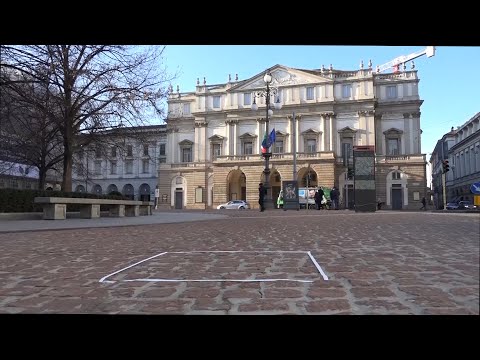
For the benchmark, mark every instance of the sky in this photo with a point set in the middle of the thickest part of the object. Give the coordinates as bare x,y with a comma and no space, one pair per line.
449,81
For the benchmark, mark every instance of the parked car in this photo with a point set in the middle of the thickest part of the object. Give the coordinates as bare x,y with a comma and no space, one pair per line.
466,204
235,204
461,205
452,206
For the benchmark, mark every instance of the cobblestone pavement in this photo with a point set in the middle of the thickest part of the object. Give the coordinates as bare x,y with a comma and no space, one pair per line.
381,263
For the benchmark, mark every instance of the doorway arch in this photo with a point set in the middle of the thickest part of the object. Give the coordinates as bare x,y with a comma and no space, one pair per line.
144,192
129,191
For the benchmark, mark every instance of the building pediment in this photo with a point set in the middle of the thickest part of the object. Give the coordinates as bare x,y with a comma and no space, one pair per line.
185,143
311,132
347,130
216,137
280,133
282,76
393,131
247,135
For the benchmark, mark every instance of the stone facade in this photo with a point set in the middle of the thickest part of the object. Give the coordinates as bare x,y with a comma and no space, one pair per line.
126,161
214,137
464,160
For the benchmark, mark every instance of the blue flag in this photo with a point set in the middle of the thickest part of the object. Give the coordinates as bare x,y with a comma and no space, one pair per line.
271,138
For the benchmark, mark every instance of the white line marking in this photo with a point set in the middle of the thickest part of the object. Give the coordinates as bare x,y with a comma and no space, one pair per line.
237,251
205,280
128,267
325,277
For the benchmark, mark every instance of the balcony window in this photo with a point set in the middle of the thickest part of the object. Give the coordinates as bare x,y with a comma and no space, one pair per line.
129,167
113,167
310,93
186,154
247,99
216,102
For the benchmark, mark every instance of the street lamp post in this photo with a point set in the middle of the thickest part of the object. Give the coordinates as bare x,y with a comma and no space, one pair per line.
266,93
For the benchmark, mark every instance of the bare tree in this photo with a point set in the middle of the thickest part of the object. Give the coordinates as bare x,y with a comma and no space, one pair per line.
28,135
94,87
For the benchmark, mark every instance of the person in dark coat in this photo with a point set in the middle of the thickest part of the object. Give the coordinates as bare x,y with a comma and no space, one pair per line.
318,198
424,204
334,197
261,196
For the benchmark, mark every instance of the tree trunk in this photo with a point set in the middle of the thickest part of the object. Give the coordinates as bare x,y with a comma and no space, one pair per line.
42,174
67,165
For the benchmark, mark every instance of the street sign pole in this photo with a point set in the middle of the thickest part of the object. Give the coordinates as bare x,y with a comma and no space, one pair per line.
444,192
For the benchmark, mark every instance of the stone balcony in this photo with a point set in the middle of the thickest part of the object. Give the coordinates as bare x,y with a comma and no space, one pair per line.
392,159
251,158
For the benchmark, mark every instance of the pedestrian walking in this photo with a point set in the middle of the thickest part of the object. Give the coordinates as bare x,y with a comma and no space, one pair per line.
261,196
424,204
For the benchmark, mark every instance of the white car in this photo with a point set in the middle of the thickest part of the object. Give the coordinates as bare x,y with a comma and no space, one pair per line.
235,204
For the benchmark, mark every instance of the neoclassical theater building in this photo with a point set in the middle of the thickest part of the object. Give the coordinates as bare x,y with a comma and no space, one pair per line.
214,137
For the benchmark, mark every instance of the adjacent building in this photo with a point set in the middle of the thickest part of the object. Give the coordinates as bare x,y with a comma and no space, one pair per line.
440,154
214,137
122,160
461,148
464,160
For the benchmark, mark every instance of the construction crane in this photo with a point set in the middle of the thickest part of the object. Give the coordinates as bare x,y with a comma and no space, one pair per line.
395,63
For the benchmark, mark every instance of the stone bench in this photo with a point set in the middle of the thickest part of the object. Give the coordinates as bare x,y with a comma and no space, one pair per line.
55,208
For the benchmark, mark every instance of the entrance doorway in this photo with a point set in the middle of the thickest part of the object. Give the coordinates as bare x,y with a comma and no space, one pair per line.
397,198
178,199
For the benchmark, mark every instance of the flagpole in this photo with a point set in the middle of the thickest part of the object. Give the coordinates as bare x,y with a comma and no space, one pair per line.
294,148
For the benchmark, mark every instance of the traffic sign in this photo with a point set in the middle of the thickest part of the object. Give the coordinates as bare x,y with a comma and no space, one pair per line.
475,188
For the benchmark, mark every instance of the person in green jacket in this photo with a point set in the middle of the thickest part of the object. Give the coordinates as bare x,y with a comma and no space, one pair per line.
280,200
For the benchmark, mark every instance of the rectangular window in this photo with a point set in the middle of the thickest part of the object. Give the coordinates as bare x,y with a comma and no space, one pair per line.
145,150
162,160
392,92
129,150
216,102
310,93
216,151
346,148
113,167
247,99
199,195
162,149
186,109
98,167
187,155
28,185
98,152
278,148
145,167
393,147
347,91
114,151
14,184
247,148
129,167
80,170
311,145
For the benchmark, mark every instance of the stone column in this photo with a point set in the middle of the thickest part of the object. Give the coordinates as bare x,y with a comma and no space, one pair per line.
235,129
333,132
227,137
416,133
378,134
